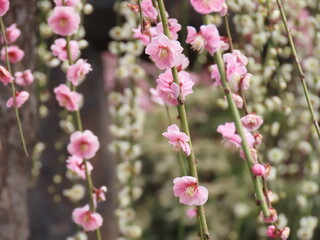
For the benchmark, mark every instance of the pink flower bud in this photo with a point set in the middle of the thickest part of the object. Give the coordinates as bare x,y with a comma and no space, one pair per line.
258,169
257,138
192,212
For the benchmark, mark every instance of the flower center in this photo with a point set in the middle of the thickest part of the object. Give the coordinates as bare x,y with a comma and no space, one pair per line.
63,22
87,216
163,52
198,43
191,190
83,146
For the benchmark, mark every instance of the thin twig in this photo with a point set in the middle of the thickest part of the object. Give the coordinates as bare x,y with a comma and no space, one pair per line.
297,62
5,44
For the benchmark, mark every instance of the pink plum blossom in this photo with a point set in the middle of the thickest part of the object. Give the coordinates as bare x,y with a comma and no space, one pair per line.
178,139
207,6
169,91
224,10
243,60
5,76
238,100
182,63
64,21
145,36
258,169
155,96
215,75
99,195
164,52
251,122
24,78
76,165
174,28
187,189
70,3
208,38
20,99
272,232
148,10
272,218
78,71
245,81
231,138
254,155
15,54
83,144
257,138
4,7
12,34
236,71
192,212
285,232
89,221
67,98
59,49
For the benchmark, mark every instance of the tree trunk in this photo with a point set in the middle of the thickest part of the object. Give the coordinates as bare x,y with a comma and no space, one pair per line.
14,165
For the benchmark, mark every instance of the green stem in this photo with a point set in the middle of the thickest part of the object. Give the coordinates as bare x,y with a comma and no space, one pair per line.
184,125
297,62
5,44
141,17
73,88
154,3
80,128
226,23
236,117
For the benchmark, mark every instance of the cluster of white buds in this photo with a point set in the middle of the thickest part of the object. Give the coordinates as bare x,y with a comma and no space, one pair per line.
128,120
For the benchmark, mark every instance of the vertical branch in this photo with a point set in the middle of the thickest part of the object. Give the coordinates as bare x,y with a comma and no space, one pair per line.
5,44
297,62
185,127
80,128
236,117
226,23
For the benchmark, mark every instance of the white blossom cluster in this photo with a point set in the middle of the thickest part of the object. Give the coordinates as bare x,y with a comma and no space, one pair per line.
128,121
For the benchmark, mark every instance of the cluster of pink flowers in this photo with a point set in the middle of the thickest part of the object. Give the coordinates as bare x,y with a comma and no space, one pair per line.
65,21
15,55
83,146
208,38
236,71
239,79
275,233
166,53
